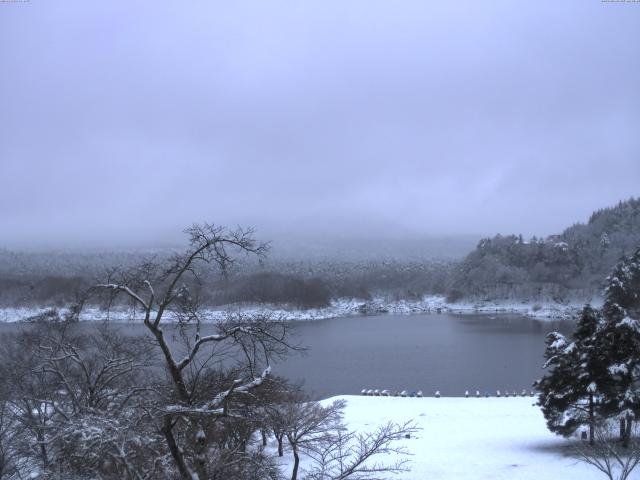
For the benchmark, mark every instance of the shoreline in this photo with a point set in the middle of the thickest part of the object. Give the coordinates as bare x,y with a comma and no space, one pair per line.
340,308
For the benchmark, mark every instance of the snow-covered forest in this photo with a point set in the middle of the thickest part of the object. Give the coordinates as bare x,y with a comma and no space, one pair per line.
562,269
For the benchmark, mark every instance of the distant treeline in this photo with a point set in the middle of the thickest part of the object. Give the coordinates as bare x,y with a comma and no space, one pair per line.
559,267
298,284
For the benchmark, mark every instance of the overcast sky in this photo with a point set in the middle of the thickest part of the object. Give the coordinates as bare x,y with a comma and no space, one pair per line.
124,121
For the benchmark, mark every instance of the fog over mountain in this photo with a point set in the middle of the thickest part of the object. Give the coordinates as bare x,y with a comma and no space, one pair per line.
123,122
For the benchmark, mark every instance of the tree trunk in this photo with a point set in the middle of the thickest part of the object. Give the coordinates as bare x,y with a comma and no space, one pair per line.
592,421
176,453
263,432
200,441
279,438
174,371
623,429
296,463
627,432
43,449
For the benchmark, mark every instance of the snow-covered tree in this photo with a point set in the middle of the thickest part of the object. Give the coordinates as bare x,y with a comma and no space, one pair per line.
620,342
9,430
605,242
72,397
198,400
570,390
594,376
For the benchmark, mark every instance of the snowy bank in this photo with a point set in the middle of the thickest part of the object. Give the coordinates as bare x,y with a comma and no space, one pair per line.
498,438
438,304
343,307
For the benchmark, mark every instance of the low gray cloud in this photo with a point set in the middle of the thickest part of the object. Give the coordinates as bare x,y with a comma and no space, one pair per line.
122,122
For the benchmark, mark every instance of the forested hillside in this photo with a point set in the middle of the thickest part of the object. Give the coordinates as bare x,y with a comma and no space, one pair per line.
571,264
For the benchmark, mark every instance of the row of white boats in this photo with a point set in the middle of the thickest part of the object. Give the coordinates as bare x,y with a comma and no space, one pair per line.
405,393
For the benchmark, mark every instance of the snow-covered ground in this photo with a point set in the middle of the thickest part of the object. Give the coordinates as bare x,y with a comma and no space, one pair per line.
474,438
343,307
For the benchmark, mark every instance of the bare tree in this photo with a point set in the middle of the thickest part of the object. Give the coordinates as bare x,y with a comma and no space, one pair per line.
307,424
317,431
610,455
171,294
8,433
29,392
73,399
356,455
276,412
105,377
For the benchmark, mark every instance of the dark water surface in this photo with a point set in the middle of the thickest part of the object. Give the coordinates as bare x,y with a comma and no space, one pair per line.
449,353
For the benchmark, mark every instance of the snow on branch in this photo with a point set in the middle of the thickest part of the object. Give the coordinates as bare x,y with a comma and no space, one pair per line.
125,289
210,338
238,388
217,405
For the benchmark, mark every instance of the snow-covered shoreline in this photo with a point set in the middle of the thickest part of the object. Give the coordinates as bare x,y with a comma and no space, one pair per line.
468,438
344,307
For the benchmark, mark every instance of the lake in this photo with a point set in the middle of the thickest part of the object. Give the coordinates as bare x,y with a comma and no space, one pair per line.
449,353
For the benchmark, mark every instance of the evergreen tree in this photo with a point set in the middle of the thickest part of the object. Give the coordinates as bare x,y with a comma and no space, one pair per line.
570,392
620,343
